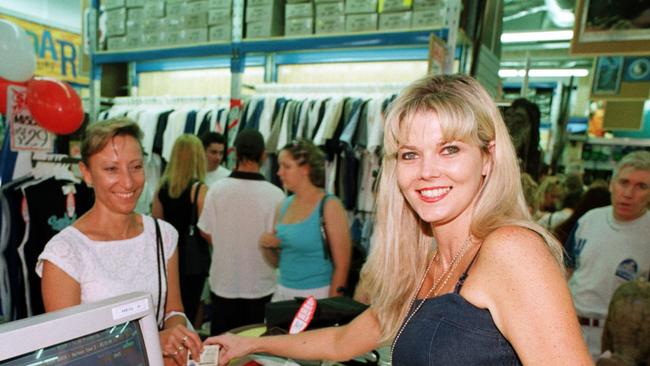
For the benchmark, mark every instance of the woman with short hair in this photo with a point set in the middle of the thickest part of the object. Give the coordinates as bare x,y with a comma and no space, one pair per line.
111,250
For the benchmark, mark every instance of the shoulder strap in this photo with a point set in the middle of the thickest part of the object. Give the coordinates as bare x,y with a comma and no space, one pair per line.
463,277
327,252
162,267
285,206
195,207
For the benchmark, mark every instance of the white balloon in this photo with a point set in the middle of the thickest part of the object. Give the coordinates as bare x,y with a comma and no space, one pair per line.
17,58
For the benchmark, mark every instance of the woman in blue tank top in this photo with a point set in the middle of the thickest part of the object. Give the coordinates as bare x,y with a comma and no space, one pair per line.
296,246
458,273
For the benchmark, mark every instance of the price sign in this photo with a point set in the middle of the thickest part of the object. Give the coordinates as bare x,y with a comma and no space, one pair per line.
25,133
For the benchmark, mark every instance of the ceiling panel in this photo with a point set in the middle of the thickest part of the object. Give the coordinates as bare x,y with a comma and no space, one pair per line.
64,14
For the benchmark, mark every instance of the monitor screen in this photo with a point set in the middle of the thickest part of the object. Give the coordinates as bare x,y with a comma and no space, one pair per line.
117,331
120,345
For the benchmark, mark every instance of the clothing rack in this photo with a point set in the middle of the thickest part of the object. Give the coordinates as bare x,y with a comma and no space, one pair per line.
329,89
40,157
172,100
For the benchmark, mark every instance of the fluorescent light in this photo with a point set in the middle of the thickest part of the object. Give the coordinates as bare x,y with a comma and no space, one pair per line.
544,36
558,72
511,73
540,73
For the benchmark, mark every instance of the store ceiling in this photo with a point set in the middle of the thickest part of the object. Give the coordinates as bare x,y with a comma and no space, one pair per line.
538,15
64,14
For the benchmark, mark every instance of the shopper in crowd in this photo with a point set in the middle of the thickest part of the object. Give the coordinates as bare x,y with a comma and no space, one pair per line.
529,188
180,192
609,245
593,198
523,119
111,250
454,237
626,336
550,193
214,144
308,266
571,192
237,211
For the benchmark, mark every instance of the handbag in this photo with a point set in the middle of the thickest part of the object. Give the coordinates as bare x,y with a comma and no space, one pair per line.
194,251
330,311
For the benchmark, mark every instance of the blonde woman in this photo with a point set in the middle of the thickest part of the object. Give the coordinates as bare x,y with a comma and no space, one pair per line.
550,194
458,273
180,184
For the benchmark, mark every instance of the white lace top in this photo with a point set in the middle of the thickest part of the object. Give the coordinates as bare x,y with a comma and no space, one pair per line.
110,268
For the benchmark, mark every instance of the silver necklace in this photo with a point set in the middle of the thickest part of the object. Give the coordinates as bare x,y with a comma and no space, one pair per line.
446,275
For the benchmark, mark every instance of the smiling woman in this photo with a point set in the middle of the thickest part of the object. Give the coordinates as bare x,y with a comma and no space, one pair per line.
454,236
111,250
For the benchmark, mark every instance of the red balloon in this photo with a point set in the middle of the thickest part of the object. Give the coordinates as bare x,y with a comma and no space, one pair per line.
4,84
54,105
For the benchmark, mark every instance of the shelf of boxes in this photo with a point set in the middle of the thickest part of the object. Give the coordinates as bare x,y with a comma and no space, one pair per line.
147,29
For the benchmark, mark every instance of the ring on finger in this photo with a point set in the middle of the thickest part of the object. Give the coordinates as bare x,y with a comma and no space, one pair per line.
185,338
180,348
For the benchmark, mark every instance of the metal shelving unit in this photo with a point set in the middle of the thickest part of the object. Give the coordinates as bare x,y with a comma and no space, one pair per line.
616,141
371,46
341,41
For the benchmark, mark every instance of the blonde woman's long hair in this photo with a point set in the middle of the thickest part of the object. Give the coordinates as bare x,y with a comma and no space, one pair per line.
187,163
402,244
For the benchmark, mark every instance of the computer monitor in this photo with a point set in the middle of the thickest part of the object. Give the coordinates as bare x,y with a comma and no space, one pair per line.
117,331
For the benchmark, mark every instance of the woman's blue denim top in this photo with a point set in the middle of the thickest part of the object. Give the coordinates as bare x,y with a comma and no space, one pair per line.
448,330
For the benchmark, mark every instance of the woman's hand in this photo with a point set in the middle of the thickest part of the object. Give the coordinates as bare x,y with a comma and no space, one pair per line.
176,341
232,346
268,240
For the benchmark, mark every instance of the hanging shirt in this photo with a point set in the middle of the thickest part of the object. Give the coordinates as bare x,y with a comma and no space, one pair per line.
44,222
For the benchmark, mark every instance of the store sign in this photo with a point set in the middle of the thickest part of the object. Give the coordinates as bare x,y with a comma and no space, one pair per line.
24,132
58,52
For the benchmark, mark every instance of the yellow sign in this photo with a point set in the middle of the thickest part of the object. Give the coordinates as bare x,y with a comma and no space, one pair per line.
57,52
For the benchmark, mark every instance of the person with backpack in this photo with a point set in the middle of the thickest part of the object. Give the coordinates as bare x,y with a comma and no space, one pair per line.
179,201
310,243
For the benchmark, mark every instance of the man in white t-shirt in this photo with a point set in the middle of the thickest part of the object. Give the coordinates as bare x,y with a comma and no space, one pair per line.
610,246
236,211
215,145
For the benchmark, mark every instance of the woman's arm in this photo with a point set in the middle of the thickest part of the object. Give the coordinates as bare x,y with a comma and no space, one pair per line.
335,343
203,190
528,297
270,244
338,235
58,288
157,207
270,247
175,338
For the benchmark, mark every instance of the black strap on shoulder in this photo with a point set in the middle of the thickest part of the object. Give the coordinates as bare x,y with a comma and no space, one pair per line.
195,208
327,252
162,267
463,277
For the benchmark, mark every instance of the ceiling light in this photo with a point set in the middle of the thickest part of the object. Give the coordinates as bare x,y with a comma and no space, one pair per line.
540,73
544,36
